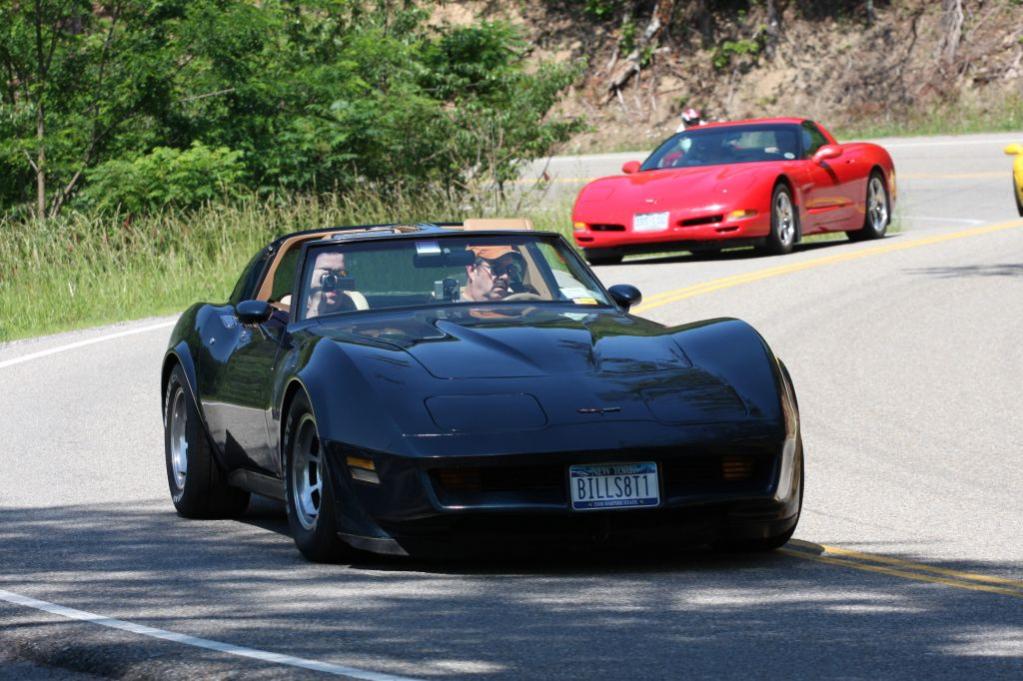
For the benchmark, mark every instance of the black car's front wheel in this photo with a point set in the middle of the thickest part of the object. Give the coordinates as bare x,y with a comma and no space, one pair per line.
738,544
309,489
197,485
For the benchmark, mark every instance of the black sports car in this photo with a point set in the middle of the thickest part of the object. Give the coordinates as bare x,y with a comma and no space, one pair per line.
424,389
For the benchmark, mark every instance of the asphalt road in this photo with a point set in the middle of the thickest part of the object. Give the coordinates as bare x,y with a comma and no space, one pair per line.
908,562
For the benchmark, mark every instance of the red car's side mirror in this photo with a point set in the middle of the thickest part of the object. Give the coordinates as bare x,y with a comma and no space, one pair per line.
630,167
827,152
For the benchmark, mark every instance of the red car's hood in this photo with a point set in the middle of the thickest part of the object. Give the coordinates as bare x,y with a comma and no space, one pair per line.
692,186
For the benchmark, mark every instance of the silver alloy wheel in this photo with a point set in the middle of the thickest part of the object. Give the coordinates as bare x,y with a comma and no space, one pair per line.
877,205
306,473
179,438
785,218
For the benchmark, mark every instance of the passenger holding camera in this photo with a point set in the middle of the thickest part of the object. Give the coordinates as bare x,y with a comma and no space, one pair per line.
328,287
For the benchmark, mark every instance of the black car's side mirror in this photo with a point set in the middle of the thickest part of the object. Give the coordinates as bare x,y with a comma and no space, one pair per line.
625,295
253,311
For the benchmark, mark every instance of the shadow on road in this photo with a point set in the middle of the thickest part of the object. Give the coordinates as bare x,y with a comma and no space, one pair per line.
736,253
992,270
688,614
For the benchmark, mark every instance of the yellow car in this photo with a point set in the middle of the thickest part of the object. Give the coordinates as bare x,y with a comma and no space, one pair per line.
1017,174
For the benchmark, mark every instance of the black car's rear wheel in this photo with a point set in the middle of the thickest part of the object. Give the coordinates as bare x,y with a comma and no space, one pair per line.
602,256
197,485
309,489
877,213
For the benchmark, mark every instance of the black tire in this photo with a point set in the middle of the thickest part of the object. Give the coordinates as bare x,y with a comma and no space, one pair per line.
602,256
706,253
877,210
763,545
1015,195
312,516
784,223
197,485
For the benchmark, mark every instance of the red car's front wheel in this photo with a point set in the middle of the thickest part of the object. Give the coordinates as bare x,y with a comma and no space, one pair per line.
877,212
784,222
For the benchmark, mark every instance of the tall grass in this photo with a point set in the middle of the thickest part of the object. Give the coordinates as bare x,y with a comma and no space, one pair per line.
993,113
87,269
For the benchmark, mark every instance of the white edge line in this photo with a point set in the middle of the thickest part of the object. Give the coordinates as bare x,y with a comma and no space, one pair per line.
967,221
142,630
81,344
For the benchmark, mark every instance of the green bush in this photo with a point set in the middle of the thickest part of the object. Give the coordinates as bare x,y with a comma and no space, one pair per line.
166,178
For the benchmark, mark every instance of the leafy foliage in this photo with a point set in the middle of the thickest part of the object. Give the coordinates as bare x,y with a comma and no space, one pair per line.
317,96
166,177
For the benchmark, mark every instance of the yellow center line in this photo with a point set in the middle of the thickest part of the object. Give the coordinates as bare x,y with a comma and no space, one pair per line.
895,567
667,297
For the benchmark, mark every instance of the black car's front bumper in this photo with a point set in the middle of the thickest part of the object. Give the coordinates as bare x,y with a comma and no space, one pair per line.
459,505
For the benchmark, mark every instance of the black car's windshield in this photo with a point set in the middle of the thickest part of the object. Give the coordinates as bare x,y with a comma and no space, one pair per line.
730,144
443,270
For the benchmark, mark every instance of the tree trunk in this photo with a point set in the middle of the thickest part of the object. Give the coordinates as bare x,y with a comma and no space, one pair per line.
659,20
773,29
40,163
952,24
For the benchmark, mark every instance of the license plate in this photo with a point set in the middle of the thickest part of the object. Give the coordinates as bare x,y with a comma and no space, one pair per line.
614,485
649,222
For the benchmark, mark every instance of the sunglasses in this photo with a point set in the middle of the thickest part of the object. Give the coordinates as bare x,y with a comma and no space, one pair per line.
514,270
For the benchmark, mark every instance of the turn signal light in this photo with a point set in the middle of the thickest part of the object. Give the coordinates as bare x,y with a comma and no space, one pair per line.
579,226
361,462
363,469
460,479
739,214
737,467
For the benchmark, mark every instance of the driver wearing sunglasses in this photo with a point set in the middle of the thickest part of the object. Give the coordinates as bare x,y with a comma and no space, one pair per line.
496,273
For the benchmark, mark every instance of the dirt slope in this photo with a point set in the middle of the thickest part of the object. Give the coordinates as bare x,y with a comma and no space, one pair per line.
833,61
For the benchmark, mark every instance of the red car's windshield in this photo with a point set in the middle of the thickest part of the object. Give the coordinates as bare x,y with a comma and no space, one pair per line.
726,145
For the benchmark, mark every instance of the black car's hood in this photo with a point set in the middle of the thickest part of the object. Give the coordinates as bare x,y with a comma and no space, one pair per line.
515,369
496,342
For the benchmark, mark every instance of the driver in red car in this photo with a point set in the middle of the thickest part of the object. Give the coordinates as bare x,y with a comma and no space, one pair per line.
496,273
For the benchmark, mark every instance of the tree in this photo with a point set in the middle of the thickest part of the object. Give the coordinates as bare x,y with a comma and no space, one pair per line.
75,73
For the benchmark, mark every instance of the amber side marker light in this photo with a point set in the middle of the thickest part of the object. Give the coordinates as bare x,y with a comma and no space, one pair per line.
363,469
739,214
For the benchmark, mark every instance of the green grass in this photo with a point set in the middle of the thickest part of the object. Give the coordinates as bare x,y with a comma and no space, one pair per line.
994,114
970,115
85,269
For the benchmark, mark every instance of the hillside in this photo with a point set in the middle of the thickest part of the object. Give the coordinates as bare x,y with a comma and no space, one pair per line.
864,67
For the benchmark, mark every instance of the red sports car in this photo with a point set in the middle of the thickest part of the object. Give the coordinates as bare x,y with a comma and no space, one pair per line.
765,182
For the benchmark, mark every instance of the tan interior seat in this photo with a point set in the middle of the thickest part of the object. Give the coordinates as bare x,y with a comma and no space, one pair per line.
471,224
